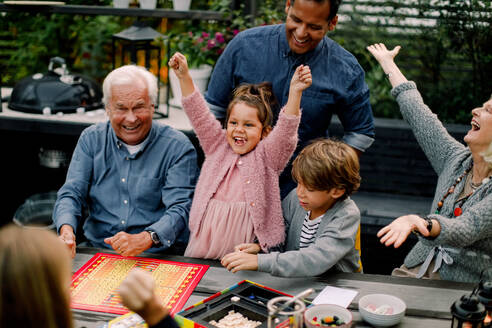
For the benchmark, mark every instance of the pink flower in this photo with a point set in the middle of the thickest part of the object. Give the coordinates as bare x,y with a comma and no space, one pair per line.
190,34
211,43
235,32
199,40
219,37
220,51
205,34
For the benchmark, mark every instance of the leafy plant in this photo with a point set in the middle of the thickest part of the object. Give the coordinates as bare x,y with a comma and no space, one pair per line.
201,47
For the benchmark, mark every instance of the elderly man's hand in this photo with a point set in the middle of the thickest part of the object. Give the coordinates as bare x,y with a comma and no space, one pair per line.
127,244
68,237
137,294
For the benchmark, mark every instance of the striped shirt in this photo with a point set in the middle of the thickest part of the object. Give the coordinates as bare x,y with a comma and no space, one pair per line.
309,229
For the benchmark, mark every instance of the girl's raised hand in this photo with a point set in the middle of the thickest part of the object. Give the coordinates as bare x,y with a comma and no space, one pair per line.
379,51
179,65
302,79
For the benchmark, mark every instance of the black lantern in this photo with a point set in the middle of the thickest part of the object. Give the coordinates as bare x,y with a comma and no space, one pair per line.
484,294
139,37
467,312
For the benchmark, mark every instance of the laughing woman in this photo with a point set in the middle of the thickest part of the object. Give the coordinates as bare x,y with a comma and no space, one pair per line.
455,240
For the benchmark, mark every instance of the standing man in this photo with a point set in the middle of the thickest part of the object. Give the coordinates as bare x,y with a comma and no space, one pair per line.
135,176
272,53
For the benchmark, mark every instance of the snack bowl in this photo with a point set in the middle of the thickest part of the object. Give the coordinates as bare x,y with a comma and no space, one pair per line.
321,311
382,310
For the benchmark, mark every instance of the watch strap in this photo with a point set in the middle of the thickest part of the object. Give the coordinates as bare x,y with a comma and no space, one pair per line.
429,223
154,237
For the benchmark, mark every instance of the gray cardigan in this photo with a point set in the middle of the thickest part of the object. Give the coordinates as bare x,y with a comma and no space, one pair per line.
465,242
333,246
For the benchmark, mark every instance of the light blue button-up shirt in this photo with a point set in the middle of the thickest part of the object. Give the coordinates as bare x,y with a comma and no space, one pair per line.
149,190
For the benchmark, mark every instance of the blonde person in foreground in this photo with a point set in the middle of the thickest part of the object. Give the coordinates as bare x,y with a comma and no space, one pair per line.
455,239
35,272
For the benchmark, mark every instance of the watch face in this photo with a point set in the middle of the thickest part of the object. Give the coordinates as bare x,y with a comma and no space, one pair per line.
154,237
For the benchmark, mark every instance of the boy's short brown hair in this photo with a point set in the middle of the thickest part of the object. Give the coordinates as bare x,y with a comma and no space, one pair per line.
327,163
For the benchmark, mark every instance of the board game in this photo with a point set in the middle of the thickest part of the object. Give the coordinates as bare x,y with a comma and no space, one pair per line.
95,284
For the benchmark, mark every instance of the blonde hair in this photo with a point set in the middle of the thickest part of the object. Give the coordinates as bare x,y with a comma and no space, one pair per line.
34,267
326,164
259,96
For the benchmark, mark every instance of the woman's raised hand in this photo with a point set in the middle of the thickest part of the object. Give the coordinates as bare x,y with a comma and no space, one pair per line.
379,51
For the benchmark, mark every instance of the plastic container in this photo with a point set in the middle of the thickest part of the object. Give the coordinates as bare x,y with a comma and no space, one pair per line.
368,303
323,310
37,210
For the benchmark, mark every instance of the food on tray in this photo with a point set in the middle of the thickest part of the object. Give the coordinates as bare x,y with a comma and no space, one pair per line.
235,320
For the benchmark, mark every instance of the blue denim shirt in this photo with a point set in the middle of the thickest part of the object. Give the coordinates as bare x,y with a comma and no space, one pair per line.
149,190
263,54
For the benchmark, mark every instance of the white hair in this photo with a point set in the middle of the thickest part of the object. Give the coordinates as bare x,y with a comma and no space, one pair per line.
130,74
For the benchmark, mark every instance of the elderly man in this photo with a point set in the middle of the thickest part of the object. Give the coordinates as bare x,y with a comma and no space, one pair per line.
272,53
136,177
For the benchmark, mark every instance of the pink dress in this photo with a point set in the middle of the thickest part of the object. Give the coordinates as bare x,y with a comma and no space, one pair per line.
226,221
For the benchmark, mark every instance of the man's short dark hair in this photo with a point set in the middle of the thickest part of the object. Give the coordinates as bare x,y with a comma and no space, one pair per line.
334,5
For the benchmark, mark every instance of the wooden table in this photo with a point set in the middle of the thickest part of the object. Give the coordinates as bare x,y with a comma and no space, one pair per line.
428,302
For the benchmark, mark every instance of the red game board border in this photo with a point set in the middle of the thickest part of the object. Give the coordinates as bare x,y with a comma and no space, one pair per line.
202,268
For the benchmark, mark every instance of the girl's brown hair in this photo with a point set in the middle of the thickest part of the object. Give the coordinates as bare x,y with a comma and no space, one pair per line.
259,96
35,272
326,164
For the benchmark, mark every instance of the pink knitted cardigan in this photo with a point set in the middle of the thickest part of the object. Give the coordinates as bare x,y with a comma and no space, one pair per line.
259,169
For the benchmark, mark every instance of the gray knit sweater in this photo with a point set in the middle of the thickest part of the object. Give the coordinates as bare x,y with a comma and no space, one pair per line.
467,239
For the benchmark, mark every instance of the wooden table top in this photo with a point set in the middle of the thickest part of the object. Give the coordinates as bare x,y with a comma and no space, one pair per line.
428,302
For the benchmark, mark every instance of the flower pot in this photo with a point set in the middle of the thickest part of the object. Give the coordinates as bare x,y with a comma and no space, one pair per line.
147,4
121,3
199,75
181,4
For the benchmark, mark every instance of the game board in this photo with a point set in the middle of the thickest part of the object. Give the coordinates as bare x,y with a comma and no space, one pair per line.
94,285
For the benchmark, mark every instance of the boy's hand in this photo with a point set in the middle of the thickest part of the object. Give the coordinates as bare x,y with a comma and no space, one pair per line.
250,248
137,294
238,261
179,65
302,79
383,55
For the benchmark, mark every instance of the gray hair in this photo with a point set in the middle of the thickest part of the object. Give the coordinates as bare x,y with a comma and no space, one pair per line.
130,74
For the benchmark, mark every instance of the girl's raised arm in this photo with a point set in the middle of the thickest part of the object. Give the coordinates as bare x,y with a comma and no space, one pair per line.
301,80
180,67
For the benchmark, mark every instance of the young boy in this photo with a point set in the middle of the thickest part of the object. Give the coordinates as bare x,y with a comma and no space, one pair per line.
322,222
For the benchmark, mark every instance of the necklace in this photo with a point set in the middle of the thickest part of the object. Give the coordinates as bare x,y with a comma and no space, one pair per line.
457,210
474,186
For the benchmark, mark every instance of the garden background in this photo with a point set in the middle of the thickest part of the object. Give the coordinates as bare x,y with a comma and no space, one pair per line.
447,45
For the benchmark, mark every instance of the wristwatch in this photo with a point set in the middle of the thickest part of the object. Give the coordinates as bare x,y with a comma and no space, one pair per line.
154,237
429,223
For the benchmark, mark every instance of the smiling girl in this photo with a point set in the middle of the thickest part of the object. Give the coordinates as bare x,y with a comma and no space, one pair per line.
237,198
